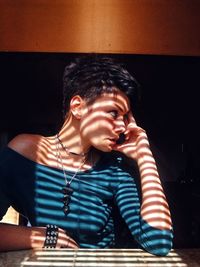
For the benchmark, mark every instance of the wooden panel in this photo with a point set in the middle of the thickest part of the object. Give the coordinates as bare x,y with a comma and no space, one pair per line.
108,26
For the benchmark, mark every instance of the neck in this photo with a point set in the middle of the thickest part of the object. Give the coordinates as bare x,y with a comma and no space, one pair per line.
70,138
83,155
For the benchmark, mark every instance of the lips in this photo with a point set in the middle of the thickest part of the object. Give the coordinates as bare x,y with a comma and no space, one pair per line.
113,140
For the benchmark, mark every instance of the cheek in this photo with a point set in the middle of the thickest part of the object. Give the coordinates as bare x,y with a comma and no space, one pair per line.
92,125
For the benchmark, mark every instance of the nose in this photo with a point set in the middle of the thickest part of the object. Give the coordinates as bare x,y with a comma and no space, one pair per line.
120,126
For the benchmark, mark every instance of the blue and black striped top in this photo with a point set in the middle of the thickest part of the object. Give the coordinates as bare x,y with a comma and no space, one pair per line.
35,191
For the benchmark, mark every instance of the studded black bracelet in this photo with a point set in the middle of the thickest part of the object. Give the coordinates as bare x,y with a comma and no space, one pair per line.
51,236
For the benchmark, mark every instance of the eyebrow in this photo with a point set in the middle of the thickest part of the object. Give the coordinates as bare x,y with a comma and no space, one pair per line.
121,109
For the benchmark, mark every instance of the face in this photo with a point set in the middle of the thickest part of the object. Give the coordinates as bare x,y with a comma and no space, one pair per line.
104,120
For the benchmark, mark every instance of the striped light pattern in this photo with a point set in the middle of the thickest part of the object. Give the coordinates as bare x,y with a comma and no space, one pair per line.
110,258
90,220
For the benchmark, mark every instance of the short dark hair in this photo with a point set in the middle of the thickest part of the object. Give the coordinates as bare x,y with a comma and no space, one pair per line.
90,76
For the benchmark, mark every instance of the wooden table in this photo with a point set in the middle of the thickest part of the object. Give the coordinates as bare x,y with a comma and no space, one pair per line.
99,258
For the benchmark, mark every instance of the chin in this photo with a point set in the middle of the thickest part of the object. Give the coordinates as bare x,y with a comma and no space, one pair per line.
104,148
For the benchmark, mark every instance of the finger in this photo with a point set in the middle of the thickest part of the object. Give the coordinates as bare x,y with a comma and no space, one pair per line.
134,132
132,127
66,241
131,123
136,128
131,118
71,243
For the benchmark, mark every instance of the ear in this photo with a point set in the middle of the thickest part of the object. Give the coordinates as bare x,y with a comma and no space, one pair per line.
76,106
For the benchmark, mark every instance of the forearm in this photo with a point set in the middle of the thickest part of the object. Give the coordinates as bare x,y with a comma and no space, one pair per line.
150,220
154,207
14,237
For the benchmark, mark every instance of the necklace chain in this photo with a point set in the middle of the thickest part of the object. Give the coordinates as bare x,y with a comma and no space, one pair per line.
66,190
67,150
60,159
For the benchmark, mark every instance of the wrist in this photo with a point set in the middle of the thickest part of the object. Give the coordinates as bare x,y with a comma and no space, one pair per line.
51,238
144,158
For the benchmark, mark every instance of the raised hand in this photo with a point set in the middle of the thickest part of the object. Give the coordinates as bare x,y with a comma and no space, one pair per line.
136,141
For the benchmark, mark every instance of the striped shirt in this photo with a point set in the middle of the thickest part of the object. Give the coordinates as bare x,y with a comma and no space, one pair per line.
35,190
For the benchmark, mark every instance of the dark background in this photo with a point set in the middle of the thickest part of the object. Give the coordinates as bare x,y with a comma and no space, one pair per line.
31,102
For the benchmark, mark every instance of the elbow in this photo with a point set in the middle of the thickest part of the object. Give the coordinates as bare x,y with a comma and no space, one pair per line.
159,250
159,243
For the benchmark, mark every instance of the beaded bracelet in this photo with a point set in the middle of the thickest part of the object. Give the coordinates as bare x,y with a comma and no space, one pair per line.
51,236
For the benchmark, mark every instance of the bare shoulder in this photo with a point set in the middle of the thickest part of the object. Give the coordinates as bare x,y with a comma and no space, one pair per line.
26,144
